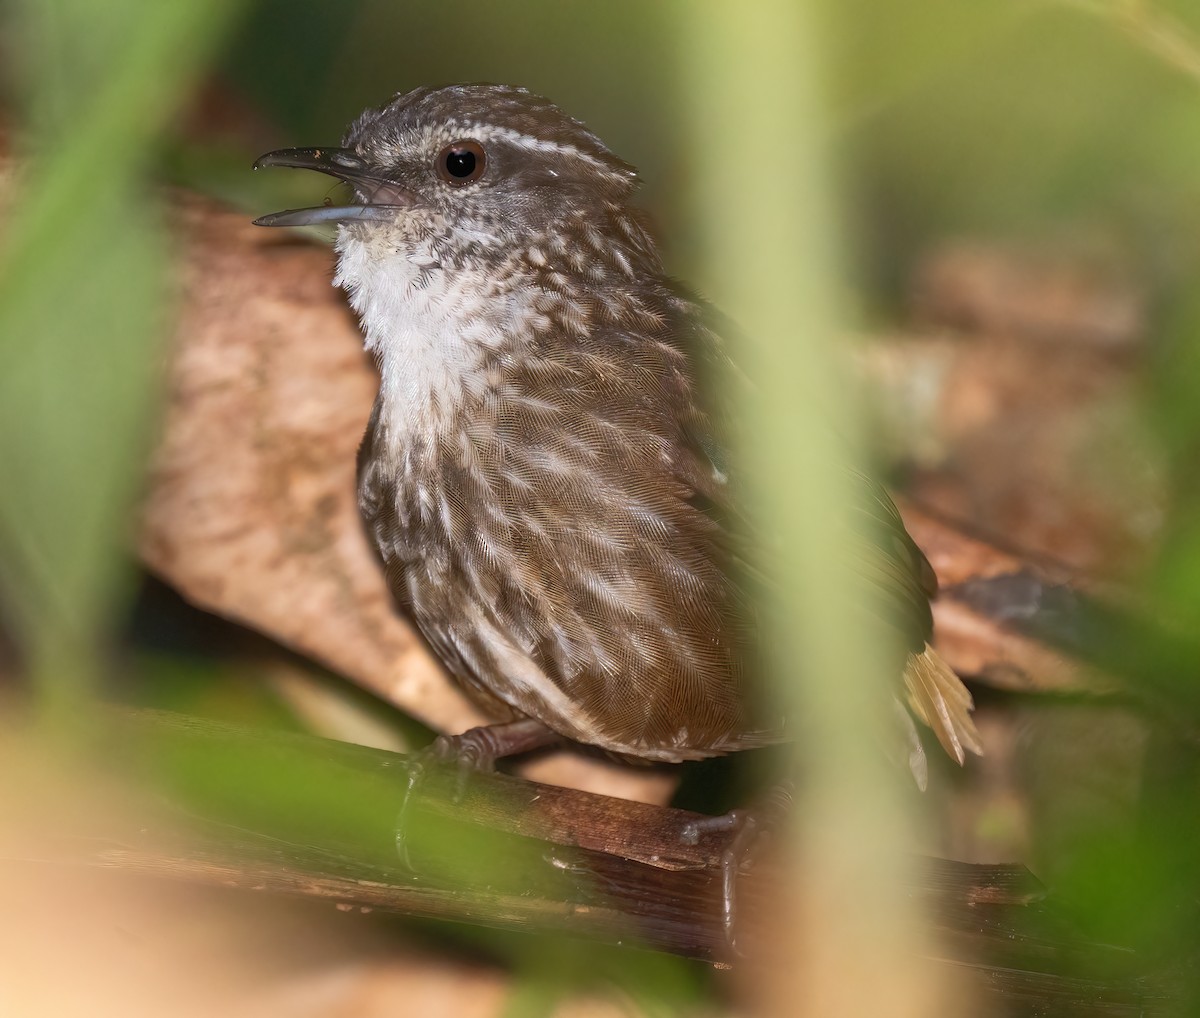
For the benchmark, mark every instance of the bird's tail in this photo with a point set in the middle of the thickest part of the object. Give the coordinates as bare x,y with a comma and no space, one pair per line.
938,697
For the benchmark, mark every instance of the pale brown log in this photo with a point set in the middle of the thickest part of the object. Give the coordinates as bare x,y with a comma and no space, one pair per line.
250,506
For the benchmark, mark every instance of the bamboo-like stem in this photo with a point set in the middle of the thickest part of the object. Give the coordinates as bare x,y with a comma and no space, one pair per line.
266,812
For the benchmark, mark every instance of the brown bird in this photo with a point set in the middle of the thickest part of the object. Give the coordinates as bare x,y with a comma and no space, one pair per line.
542,474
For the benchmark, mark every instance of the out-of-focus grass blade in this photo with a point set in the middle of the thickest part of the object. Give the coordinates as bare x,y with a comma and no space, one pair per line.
760,154
83,309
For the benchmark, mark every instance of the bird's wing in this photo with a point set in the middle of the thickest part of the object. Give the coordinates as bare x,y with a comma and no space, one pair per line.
880,547
899,576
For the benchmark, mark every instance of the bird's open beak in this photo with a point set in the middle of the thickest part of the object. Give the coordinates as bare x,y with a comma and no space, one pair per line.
380,198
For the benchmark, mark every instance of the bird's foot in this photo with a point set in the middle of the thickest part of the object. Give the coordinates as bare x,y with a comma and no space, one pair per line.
752,830
475,750
478,749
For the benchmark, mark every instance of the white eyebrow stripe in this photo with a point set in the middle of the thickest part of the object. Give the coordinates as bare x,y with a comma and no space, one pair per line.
528,141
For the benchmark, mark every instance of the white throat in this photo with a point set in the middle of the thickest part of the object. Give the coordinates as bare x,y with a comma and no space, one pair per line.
430,328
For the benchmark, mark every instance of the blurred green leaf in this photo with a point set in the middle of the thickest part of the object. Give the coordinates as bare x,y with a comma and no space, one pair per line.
84,310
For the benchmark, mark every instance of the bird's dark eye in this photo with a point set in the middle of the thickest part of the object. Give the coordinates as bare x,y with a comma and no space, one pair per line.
461,163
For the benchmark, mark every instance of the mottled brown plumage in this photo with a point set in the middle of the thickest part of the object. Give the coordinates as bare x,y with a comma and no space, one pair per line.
542,471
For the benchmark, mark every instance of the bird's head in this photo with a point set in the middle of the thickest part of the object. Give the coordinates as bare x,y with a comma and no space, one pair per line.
471,172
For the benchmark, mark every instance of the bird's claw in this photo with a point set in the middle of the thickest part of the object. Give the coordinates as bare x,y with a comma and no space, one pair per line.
751,829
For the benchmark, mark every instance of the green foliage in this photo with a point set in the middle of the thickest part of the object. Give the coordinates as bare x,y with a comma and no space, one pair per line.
84,312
